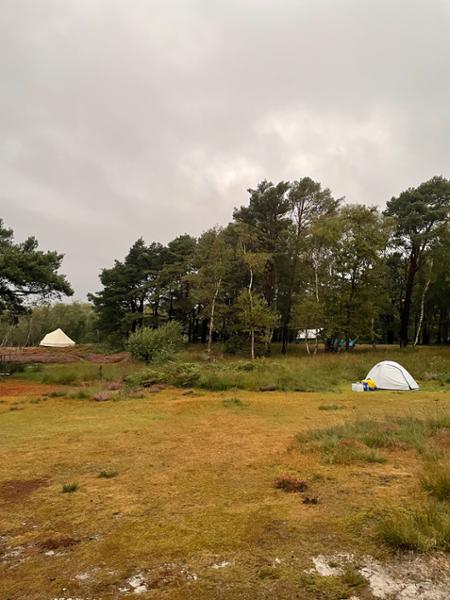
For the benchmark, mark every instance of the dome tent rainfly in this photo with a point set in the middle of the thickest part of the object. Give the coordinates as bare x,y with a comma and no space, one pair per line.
389,375
57,339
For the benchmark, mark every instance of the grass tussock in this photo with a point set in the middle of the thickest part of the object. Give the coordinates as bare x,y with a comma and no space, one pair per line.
69,488
356,441
108,474
416,529
334,587
330,407
436,479
347,452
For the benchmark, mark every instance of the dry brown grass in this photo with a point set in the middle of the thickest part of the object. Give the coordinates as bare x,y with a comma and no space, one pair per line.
194,490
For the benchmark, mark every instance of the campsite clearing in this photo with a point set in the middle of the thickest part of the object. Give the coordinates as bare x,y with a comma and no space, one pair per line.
173,494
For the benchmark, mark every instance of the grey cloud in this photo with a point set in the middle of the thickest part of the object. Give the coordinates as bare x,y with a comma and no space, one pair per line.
152,118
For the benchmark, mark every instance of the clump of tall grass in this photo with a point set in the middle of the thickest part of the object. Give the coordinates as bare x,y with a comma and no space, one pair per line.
69,488
418,529
347,452
356,441
108,474
436,479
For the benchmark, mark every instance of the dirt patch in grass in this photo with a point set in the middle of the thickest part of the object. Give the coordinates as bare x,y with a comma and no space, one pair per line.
56,543
15,490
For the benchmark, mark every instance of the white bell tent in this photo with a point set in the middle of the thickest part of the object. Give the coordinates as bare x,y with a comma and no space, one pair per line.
57,339
389,375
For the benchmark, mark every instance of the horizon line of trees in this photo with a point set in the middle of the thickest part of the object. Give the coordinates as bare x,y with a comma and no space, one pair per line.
294,258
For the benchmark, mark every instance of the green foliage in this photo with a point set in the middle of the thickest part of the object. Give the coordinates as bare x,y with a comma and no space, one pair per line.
27,272
150,345
76,320
293,258
233,345
421,217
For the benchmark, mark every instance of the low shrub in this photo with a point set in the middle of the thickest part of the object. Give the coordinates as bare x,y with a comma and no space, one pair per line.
69,488
101,396
288,483
150,345
180,374
114,386
233,345
9,368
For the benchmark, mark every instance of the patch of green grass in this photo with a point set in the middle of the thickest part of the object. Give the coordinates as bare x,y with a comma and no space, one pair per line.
60,377
417,529
334,587
69,488
347,454
350,442
436,480
108,474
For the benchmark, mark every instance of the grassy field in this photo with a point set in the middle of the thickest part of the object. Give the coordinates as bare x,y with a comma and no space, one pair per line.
174,492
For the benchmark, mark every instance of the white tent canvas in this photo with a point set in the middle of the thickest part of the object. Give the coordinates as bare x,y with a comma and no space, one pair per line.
389,375
57,339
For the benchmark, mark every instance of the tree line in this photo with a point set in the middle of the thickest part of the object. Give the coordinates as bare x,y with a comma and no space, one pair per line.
294,258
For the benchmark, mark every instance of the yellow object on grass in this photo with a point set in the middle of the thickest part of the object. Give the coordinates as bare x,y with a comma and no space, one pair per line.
369,384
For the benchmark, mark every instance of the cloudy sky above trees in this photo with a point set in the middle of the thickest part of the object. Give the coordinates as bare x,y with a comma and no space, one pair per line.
151,118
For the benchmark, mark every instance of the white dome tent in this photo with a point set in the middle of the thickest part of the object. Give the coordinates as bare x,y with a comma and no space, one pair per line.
57,339
389,375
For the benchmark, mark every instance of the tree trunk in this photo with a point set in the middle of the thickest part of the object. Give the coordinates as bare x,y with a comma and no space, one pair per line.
252,328
422,305
211,317
406,310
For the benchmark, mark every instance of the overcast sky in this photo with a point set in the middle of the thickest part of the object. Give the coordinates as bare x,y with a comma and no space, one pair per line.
128,118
